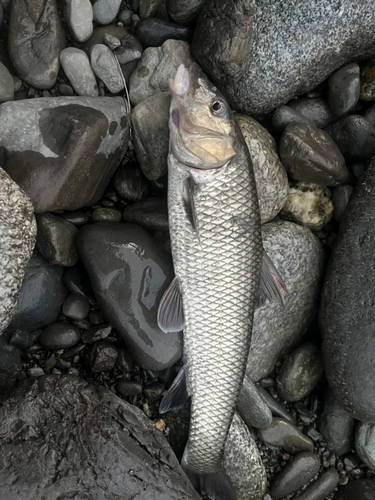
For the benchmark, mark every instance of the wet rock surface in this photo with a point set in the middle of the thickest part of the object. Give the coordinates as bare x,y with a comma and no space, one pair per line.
345,317
55,240
93,423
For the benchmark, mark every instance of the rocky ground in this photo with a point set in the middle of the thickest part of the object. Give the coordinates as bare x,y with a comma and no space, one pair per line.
85,253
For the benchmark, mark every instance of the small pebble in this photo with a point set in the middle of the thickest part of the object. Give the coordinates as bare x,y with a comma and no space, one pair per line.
96,333
124,361
35,372
59,336
125,17
105,67
128,388
101,356
130,49
111,41
75,307
286,435
160,424
65,89
106,215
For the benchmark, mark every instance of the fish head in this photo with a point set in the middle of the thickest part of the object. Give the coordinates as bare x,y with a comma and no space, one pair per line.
202,125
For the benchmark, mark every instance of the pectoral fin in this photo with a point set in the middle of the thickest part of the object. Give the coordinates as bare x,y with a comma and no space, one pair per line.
188,193
171,313
176,395
271,284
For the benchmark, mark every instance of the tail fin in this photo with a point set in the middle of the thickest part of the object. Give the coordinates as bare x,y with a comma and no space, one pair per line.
216,486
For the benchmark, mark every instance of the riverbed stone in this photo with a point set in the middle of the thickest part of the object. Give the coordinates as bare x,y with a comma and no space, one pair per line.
55,239
335,424
346,313
365,444
184,11
151,137
308,204
354,136
285,115
62,151
251,56
139,274
76,65
340,200
36,38
130,49
130,183
156,66
298,256
153,32
75,307
105,11
105,67
129,455
315,109
152,214
6,84
242,462
270,175
251,406
295,475
361,488
310,155
17,240
59,336
99,33
321,487
284,434
344,89
41,296
79,16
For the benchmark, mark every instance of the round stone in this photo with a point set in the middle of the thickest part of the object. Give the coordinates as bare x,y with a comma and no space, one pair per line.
284,434
355,137
76,65
105,67
285,115
130,183
321,488
59,336
344,89
76,307
128,388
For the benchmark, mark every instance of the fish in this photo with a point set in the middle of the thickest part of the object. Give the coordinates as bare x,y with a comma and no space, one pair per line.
221,269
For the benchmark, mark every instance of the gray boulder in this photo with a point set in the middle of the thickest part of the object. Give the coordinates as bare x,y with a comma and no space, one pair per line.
263,53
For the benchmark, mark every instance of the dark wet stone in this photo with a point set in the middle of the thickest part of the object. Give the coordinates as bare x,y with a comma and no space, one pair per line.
300,372
163,240
96,318
128,388
152,214
266,66
129,455
10,364
369,114
286,435
23,340
346,313
105,215
295,475
125,17
101,356
276,408
78,282
153,32
130,50
355,136
151,137
99,33
73,351
59,336
365,444
321,487
69,150
96,333
340,199
140,273
284,115
75,307
363,489
184,11
252,408
154,391
130,183
315,109
124,361
344,89
55,239
368,82
76,217
42,294
62,364
65,89
36,38
310,155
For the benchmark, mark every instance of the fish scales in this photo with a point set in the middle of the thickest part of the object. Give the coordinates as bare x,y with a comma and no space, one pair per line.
219,272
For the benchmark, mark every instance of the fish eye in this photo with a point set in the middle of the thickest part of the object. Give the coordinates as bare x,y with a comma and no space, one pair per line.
217,106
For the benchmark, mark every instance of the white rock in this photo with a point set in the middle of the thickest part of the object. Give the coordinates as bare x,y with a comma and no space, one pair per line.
299,257
270,175
17,240
308,204
79,15
155,67
105,67
76,65
243,464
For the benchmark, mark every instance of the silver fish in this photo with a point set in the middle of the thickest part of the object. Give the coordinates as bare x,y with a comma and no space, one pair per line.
218,256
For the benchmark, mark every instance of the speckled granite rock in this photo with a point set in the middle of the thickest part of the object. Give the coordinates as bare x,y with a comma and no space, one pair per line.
308,204
62,151
17,240
298,256
36,37
101,448
347,315
263,53
270,176
155,67
243,464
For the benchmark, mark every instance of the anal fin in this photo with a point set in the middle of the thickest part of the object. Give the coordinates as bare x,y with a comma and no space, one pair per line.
171,313
177,395
271,284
